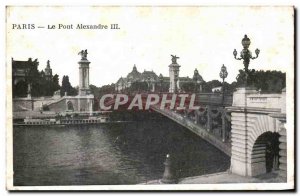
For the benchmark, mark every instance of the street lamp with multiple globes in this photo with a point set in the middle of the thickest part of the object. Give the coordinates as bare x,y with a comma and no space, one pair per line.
223,75
246,54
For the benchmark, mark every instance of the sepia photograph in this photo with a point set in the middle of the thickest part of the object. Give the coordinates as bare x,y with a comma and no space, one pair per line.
156,98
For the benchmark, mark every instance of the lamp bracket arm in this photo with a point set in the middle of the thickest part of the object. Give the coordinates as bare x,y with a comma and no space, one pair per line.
238,58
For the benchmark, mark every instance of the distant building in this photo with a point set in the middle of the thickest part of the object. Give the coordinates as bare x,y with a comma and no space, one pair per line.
217,89
26,77
21,70
150,77
135,76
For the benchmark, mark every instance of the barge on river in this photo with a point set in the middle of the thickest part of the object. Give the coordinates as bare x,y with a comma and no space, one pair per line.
67,119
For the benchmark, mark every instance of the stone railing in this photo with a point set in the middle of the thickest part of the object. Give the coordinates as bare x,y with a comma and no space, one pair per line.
214,98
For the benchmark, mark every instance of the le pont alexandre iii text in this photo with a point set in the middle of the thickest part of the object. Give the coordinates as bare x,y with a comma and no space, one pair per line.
66,26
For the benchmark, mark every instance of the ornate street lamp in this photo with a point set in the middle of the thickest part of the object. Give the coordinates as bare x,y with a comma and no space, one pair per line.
223,75
246,54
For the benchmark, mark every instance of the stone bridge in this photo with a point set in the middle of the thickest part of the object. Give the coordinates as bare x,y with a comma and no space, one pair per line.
211,122
251,129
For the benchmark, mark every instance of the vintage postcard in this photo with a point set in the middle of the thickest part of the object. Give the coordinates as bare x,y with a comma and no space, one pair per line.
150,98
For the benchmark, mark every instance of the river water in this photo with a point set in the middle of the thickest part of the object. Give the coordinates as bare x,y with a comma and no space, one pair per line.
124,153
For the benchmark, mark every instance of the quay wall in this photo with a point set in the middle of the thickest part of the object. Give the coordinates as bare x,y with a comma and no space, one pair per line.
22,105
60,104
30,104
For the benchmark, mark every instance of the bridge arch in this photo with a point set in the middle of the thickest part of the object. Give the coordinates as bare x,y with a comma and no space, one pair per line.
70,106
253,135
265,153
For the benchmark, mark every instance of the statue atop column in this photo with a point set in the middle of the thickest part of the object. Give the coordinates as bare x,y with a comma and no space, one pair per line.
174,59
83,54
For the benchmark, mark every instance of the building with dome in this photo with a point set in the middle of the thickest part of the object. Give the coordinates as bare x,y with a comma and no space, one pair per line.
153,81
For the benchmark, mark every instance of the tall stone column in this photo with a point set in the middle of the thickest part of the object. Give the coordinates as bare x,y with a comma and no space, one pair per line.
84,83
174,74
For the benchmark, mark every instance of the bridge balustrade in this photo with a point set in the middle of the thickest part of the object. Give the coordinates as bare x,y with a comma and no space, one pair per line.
215,120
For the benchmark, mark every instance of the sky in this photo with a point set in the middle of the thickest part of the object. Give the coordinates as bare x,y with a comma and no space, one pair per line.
203,38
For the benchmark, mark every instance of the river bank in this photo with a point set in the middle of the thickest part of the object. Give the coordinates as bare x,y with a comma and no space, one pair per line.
224,178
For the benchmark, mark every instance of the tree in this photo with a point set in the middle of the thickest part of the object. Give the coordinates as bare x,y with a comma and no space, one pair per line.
271,81
55,83
20,89
188,86
67,87
208,86
33,79
98,92
164,86
139,86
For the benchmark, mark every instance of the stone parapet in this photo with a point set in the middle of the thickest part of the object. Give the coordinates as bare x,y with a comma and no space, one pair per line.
250,98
